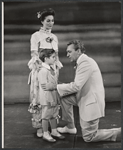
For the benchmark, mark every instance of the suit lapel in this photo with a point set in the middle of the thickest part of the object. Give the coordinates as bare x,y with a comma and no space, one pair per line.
80,60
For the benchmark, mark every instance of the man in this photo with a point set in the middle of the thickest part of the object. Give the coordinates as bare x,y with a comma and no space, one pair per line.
86,92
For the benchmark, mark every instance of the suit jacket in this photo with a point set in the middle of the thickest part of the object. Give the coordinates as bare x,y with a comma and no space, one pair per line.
49,97
88,87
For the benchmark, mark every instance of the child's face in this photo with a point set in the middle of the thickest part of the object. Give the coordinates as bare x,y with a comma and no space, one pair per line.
51,60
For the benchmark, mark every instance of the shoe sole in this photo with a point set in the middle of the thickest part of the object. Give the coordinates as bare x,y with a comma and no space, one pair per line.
48,140
60,138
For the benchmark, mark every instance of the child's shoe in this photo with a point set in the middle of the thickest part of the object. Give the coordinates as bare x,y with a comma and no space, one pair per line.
47,137
58,135
40,132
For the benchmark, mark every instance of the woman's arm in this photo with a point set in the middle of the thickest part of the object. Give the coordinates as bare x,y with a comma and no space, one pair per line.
34,53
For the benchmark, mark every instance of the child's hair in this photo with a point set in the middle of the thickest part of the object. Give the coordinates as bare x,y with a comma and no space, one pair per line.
43,53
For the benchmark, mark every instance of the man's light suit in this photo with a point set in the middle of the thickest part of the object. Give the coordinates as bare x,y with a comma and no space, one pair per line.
86,92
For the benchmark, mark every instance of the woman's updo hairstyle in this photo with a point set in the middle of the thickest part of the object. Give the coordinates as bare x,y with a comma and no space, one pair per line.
45,13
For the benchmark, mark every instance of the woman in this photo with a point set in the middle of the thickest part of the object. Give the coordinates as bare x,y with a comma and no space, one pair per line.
40,40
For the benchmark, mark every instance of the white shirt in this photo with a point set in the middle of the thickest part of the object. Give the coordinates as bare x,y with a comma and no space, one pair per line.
45,65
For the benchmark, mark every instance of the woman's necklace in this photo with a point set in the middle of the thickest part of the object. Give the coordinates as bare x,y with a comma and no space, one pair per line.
45,30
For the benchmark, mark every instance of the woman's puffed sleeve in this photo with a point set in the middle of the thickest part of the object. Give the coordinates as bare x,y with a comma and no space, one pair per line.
56,39
55,43
34,42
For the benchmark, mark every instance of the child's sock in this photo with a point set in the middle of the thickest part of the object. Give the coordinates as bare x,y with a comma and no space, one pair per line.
46,133
55,132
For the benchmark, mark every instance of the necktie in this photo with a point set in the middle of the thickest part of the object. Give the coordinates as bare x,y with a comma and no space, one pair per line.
52,71
75,66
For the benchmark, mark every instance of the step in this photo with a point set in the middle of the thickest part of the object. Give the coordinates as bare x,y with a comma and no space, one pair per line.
106,64
16,88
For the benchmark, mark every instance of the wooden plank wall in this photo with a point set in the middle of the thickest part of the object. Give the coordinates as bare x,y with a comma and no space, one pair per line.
102,42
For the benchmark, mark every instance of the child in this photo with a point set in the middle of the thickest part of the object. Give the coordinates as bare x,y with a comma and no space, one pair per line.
48,99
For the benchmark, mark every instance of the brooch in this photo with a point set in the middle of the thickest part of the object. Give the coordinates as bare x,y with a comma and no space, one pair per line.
49,40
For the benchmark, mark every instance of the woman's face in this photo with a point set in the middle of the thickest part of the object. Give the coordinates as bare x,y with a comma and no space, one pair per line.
48,22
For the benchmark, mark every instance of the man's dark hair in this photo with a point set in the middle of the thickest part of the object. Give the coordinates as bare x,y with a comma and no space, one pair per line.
77,45
43,53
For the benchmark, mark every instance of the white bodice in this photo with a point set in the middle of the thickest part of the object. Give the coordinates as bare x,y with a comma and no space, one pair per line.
43,39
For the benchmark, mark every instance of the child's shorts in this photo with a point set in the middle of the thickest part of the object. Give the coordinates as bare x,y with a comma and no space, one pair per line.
49,112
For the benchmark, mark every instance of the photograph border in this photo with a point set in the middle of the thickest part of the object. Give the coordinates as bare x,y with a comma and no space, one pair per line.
2,56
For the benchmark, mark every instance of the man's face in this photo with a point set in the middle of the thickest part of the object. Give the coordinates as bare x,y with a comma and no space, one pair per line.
71,53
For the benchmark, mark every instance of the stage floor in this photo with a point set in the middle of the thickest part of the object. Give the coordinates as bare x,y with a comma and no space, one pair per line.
19,133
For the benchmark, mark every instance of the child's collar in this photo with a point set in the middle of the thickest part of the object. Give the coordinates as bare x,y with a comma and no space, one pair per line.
45,65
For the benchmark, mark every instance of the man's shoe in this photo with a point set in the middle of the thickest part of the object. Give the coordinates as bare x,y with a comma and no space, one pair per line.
66,130
117,134
39,132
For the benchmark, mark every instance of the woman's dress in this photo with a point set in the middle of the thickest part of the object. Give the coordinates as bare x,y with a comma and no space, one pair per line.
41,39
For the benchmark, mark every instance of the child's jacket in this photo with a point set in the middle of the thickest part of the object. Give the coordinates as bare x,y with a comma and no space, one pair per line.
49,97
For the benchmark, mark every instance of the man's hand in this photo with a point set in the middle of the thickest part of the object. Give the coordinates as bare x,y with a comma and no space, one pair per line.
44,87
48,87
